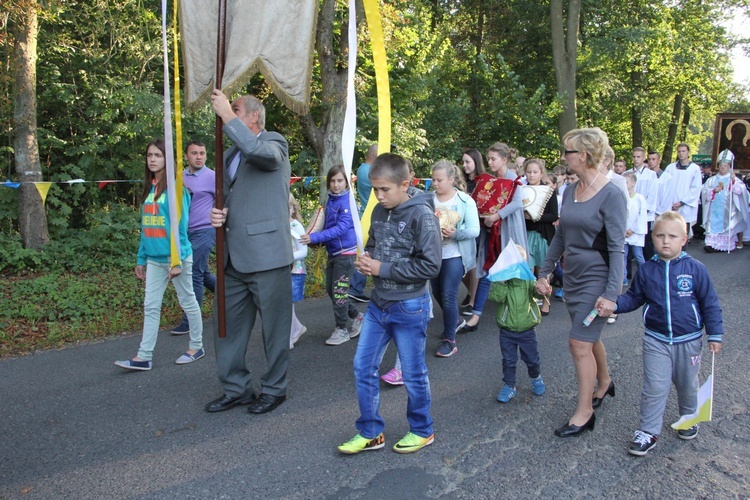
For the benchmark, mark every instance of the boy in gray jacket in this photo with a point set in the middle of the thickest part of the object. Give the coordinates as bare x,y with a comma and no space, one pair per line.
402,254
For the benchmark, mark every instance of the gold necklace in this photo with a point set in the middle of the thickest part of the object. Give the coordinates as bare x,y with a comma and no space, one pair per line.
575,200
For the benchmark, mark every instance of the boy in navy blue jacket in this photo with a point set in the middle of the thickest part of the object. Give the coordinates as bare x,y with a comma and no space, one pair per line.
678,301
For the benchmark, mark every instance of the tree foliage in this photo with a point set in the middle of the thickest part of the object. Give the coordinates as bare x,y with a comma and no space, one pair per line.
463,73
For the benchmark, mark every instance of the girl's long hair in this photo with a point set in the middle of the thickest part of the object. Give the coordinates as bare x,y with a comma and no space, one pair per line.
475,155
336,169
296,209
149,176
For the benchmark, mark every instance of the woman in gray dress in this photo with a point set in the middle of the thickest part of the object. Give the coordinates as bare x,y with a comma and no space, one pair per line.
591,233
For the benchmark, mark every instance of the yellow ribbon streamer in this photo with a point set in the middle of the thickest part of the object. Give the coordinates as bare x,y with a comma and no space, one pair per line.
179,165
372,12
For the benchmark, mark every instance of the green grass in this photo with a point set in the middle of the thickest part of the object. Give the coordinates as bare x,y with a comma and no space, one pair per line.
59,308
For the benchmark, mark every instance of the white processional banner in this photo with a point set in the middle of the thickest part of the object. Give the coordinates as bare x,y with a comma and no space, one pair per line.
273,38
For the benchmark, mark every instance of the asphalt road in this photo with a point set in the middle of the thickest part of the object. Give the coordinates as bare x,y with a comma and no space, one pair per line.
76,426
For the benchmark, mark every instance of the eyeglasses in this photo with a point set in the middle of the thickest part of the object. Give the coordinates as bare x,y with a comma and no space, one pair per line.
569,152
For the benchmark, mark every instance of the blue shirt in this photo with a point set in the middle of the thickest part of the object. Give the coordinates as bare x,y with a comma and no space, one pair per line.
364,188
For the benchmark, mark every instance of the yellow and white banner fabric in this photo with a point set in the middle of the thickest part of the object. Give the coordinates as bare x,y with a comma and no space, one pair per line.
372,12
175,203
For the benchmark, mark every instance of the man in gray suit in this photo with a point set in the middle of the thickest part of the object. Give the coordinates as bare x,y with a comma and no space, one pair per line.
258,255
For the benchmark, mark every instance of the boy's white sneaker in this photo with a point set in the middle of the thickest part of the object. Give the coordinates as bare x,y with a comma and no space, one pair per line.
356,325
294,339
338,337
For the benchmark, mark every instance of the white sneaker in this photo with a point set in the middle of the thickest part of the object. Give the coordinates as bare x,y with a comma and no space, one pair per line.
338,337
294,339
356,325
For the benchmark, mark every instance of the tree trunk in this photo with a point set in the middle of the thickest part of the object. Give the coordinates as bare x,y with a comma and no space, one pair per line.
32,219
564,54
479,39
474,81
672,134
636,111
325,133
685,123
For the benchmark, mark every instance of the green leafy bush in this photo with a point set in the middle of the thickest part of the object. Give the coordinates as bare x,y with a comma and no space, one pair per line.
82,285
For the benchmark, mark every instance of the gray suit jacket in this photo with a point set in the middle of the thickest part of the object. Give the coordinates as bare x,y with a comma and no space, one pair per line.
257,200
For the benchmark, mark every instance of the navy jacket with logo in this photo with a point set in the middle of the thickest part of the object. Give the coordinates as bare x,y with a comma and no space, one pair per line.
678,300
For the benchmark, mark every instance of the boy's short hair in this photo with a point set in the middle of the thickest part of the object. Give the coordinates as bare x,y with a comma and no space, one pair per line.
630,175
559,170
194,143
672,216
390,166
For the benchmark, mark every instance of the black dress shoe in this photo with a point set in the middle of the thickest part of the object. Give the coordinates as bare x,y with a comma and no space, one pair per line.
597,402
226,402
571,430
265,403
468,328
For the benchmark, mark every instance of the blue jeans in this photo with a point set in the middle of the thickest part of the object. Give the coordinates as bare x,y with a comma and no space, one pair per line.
202,241
510,344
406,323
483,290
637,254
445,291
357,283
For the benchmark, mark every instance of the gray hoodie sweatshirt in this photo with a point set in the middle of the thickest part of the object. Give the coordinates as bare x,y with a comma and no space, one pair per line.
407,241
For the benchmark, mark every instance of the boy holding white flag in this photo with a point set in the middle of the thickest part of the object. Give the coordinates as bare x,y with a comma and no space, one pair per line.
679,301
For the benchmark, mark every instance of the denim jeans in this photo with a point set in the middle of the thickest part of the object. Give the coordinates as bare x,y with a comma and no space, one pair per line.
157,278
483,290
202,241
406,323
637,254
510,344
357,283
445,291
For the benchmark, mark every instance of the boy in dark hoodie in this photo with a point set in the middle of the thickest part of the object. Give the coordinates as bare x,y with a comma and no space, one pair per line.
402,254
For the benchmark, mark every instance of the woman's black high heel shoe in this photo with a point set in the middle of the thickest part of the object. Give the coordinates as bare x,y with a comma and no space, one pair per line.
597,402
571,430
